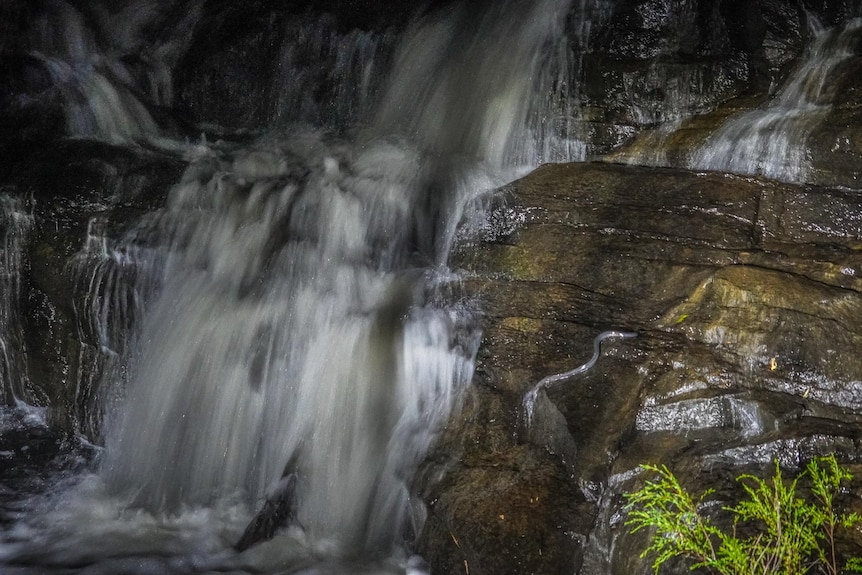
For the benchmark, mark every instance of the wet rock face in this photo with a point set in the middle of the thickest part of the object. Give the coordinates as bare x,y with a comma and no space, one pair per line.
259,63
747,298
658,63
769,31
81,196
31,107
835,147
745,293
662,81
255,64
652,61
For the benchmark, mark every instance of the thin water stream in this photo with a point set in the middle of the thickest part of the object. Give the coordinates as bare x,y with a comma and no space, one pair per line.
771,140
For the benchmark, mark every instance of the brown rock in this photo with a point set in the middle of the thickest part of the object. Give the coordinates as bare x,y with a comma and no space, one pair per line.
746,297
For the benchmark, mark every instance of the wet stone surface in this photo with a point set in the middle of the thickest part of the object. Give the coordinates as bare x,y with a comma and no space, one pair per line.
83,196
746,297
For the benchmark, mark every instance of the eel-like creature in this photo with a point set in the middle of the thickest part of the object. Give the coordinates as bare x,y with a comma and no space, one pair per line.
530,397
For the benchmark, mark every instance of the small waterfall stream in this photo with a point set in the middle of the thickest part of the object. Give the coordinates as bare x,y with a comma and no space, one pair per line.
316,54
105,96
770,141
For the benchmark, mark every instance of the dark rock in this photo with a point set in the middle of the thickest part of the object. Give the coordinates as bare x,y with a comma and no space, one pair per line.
685,58
631,95
833,12
31,106
84,195
835,146
253,65
277,512
746,297
483,515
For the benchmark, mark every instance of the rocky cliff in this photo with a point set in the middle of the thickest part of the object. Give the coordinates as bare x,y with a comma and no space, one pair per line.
745,295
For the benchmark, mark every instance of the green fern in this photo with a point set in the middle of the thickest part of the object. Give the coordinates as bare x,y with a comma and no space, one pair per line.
793,535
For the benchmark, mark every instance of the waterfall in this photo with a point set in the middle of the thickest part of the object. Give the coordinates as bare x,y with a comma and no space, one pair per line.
291,327
98,107
451,68
104,96
289,312
771,141
297,329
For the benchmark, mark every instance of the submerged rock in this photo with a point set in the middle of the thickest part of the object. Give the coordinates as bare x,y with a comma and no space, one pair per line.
747,297
277,512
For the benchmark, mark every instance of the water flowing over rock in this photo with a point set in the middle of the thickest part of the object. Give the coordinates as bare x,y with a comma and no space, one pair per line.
270,306
287,329
775,138
772,141
17,222
94,66
67,321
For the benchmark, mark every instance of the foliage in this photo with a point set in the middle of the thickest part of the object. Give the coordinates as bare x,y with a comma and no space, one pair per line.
791,534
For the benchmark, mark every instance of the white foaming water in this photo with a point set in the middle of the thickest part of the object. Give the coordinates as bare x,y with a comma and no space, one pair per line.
301,321
771,141
286,332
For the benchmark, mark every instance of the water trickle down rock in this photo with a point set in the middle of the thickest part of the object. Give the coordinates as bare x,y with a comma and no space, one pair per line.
792,134
16,221
773,141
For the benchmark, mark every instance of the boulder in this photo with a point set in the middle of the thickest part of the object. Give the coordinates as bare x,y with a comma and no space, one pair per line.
745,294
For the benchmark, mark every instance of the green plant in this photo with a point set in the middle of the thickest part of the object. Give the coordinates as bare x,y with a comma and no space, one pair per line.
790,534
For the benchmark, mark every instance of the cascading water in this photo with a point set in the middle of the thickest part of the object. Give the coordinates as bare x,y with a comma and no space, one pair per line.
16,221
451,69
108,279
297,319
559,124
771,141
278,337
348,64
83,54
